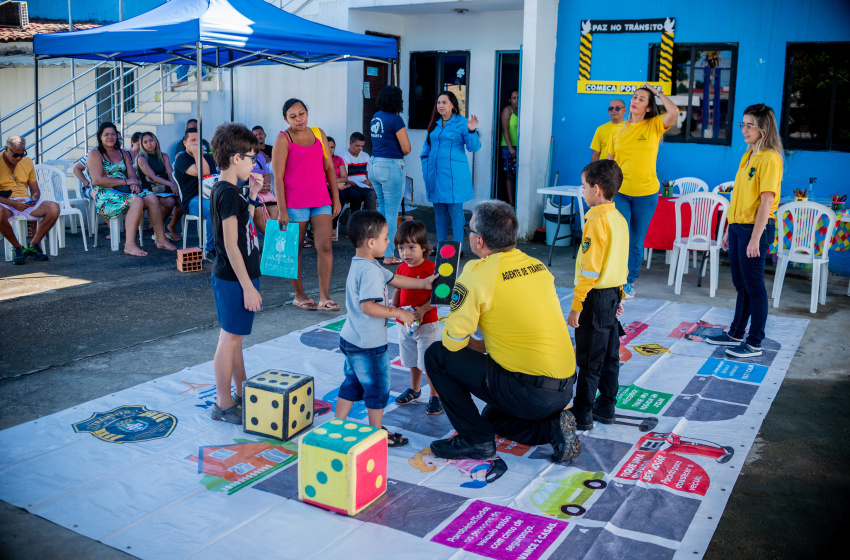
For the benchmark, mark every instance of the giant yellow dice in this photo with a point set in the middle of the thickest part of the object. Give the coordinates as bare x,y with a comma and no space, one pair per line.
342,466
277,403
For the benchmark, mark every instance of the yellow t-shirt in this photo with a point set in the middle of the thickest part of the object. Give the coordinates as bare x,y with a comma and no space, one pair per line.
635,149
603,261
601,138
19,184
763,174
512,298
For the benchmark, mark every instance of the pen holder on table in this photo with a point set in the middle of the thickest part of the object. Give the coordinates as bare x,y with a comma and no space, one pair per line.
667,190
801,198
838,206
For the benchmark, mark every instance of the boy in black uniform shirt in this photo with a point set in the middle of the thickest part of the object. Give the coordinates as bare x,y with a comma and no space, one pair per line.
236,268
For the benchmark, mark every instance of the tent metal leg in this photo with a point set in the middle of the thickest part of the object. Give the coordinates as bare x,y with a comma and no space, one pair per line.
199,156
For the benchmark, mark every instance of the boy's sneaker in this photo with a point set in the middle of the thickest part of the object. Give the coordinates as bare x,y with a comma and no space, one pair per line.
19,255
232,414
723,339
629,290
744,350
35,252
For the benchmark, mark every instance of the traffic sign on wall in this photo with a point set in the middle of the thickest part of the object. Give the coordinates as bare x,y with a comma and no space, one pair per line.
665,56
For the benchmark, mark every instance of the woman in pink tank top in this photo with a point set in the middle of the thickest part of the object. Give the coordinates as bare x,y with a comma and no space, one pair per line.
306,192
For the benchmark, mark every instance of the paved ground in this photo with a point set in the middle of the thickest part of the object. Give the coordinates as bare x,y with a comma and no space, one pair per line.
84,325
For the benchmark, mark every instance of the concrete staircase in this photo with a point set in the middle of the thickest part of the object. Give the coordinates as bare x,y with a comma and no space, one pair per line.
179,108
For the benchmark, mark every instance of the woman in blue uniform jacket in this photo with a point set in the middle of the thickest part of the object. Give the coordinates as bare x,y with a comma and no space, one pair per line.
445,168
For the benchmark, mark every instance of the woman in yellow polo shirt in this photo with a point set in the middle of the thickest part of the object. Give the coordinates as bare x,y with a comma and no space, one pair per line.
752,224
634,146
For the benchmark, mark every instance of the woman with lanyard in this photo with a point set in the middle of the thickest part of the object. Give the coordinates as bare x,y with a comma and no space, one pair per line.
634,146
510,123
445,168
118,190
306,193
154,170
752,225
389,146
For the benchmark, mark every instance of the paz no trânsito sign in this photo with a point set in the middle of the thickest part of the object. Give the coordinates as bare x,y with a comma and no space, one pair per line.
665,57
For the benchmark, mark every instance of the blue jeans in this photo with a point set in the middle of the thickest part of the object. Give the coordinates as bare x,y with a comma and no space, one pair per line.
387,176
748,278
638,211
192,209
367,375
442,213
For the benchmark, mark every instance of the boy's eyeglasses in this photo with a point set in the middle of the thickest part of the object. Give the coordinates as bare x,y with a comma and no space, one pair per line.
253,158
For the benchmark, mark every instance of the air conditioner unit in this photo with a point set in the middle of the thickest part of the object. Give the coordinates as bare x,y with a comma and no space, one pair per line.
14,14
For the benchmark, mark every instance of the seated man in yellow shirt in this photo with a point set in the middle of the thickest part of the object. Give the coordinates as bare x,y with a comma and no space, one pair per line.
526,376
19,196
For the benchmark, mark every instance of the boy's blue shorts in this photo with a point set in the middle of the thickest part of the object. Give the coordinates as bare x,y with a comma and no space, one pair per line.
367,375
230,306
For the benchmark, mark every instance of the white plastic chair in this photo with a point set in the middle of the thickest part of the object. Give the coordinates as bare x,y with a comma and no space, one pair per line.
75,197
688,185
19,226
54,187
804,217
716,190
187,217
701,237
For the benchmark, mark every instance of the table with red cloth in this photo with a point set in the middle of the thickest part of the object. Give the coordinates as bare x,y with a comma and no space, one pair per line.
662,229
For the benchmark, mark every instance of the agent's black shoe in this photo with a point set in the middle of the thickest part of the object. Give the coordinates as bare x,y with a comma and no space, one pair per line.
565,442
604,414
459,448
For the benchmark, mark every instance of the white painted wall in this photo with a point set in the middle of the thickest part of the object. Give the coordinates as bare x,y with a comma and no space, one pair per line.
540,25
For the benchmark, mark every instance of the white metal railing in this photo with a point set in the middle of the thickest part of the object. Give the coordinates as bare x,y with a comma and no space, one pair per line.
99,94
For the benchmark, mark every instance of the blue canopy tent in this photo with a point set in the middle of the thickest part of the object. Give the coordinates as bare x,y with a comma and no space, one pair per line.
218,33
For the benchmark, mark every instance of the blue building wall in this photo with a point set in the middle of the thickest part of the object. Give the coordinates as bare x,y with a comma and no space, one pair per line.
762,29
88,10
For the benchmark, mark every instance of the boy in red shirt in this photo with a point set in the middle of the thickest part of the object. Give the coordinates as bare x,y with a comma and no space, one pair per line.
411,239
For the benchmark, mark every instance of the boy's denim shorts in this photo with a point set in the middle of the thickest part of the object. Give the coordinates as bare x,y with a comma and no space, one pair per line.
230,306
367,375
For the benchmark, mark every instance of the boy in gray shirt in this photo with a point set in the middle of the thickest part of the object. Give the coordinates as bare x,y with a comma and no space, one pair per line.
363,339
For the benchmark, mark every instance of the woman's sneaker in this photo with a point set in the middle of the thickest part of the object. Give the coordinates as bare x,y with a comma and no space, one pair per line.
744,350
723,339
629,290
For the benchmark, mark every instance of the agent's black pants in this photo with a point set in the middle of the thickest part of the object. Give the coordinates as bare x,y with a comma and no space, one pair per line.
598,353
518,407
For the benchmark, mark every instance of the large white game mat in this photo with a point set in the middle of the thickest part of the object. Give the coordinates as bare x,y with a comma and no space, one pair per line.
146,470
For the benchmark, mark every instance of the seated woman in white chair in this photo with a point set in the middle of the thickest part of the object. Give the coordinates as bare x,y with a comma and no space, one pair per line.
154,170
118,190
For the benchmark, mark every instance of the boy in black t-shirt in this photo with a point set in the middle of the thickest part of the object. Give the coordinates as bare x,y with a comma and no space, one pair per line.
236,268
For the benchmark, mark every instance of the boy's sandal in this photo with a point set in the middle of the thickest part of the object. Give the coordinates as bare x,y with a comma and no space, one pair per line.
395,439
435,406
408,396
